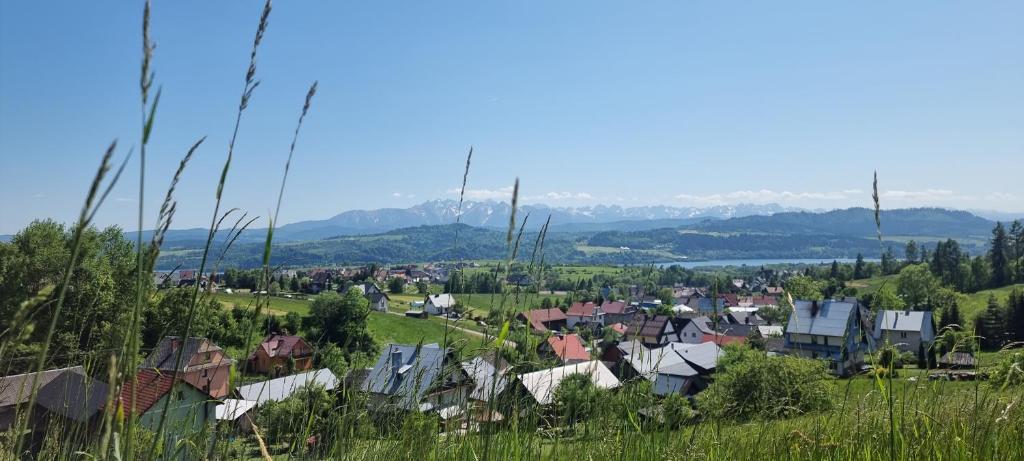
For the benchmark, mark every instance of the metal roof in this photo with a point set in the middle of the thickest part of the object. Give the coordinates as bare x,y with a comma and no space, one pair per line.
281,388
831,318
541,384
662,360
903,320
483,374
703,355
233,409
406,372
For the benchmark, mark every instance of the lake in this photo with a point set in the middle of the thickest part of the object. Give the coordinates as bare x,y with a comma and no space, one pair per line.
757,262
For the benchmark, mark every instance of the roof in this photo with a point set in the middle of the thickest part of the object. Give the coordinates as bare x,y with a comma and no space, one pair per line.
663,360
233,409
649,326
703,355
538,317
542,384
579,309
65,391
16,389
442,300
619,328
614,307
730,298
736,329
281,388
165,354
147,388
278,345
831,319
703,323
962,359
406,372
766,300
483,374
770,330
376,296
903,320
568,348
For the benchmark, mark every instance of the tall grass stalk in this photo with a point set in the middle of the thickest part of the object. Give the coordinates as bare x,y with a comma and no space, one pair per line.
250,85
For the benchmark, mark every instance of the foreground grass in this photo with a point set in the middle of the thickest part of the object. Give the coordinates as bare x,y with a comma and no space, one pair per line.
931,420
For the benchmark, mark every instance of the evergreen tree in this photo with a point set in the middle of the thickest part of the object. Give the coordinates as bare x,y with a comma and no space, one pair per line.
1015,315
990,325
1017,238
998,256
889,263
858,267
834,272
951,316
910,253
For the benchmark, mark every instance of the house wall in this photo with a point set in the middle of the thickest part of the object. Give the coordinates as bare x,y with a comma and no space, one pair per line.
691,334
671,384
906,341
213,379
190,413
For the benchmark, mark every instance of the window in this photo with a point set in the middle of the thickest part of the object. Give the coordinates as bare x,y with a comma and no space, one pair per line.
206,372
903,334
814,340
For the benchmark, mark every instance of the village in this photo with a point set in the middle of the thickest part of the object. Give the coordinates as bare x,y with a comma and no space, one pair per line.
191,385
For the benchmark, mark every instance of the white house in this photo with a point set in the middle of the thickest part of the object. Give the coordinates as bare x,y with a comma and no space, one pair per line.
585,313
907,330
694,330
438,304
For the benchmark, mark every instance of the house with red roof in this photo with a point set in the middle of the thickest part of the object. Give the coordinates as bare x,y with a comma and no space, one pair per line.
184,379
281,354
618,312
586,313
543,320
568,349
652,330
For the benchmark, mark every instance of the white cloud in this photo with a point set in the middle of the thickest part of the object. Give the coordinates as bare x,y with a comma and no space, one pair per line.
396,194
1001,197
124,200
559,196
927,194
485,194
763,196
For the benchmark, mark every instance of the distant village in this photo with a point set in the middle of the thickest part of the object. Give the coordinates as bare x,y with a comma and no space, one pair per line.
675,347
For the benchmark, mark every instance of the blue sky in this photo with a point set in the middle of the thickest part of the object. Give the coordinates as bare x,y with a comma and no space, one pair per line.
679,103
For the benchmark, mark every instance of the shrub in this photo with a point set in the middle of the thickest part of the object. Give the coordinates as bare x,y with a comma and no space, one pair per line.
1008,371
755,386
676,410
576,398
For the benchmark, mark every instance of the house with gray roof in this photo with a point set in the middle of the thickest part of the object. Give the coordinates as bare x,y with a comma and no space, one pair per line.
65,394
410,377
281,388
837,331
909,331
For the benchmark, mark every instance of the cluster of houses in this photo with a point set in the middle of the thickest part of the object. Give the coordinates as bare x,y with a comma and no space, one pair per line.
188,379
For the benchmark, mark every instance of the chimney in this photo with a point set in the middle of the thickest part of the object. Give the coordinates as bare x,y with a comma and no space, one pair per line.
814,308
396,359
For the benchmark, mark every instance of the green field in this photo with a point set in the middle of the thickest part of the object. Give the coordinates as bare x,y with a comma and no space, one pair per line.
391,328
970,304
278,305
974,303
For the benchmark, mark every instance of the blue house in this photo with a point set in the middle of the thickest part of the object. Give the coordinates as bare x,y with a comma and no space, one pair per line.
837,331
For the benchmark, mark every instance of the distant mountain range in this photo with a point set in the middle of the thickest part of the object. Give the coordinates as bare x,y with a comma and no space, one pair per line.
648,234
486,214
